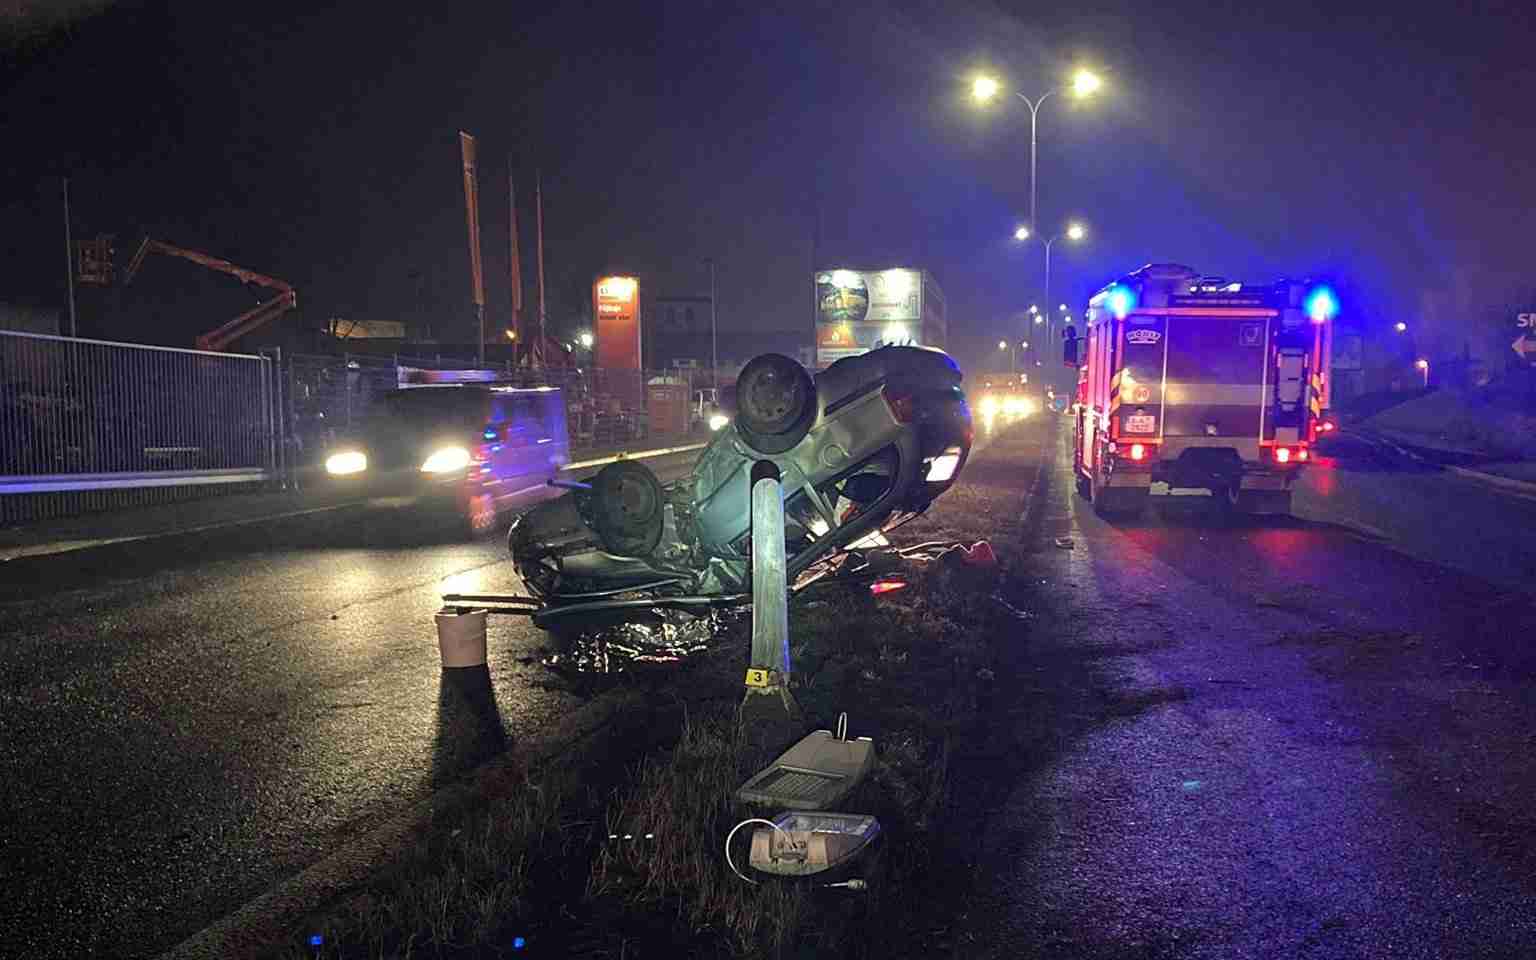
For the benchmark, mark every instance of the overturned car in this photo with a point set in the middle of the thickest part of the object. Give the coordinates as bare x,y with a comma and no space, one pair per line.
862,448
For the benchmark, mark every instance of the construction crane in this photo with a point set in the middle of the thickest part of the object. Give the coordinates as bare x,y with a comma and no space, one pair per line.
254,318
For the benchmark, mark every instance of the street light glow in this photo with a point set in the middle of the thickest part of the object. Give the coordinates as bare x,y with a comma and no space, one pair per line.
1063,308
1021,234
984,88
1400,327
1421,363
1024,345
1076,231
1002,344
1039,319
585,340
1033,308
1085,83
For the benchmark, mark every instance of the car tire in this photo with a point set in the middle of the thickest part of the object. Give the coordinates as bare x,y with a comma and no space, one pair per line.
626,506
776,403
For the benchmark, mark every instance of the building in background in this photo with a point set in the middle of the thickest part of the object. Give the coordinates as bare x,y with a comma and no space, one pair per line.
679,331
859,310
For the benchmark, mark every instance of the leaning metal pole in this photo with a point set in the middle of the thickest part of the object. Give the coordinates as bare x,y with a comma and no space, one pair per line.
768,673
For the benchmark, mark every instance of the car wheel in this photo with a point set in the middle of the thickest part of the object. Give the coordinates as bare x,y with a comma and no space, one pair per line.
626,506
776,403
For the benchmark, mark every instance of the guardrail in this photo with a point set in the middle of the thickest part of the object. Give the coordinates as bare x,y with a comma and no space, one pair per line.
93,424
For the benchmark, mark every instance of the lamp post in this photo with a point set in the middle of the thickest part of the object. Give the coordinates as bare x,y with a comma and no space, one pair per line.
1423,366
1084,83
1074,232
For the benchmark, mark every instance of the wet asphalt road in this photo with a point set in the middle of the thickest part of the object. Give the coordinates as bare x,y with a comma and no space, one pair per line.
185,722
1297,739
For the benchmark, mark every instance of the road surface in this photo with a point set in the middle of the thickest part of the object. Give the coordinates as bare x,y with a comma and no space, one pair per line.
1313,738
186,721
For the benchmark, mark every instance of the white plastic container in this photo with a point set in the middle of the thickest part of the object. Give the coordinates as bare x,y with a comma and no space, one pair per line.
461,638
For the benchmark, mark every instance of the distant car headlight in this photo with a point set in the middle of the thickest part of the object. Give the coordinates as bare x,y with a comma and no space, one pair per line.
718,421
348,461
446,460
1017,407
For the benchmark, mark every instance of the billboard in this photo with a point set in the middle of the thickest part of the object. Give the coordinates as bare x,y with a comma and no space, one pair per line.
858,310
616,309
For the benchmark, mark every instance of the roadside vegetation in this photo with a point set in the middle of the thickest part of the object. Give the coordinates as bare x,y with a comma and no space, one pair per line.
614,850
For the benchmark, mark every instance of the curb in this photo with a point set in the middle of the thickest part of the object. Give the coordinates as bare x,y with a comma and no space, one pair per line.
1492,479
273,918
641,455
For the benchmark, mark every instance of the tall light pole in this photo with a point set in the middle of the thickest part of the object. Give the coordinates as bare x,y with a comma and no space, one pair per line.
1074,232
1084,83
714,337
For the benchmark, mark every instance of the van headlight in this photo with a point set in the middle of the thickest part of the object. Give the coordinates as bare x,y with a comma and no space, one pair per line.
345,462
446,460
718,421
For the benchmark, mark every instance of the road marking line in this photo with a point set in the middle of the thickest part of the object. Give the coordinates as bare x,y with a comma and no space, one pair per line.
69,546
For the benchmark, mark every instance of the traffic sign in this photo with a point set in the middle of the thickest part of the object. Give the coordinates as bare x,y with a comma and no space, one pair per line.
1525,347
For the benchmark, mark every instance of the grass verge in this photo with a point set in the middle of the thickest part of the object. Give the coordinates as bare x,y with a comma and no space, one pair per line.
615,849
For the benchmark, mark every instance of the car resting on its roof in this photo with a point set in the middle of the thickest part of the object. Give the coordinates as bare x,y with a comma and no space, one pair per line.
862,448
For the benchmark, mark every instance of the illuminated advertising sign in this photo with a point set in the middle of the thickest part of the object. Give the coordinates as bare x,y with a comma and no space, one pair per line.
616,309
858,310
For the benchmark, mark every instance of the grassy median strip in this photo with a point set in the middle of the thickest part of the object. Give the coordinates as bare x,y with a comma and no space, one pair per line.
615,849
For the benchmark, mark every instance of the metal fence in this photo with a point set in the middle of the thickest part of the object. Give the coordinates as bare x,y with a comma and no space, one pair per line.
91,425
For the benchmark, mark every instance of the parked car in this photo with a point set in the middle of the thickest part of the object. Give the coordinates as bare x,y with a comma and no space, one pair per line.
473,451
867,445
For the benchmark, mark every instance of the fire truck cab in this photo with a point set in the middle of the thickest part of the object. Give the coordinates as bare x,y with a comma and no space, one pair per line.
1196,385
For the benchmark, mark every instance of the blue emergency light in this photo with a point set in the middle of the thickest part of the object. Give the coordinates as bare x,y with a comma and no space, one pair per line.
1120,299
1321,304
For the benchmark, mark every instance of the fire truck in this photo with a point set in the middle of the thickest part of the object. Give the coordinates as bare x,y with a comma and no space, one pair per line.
1197,385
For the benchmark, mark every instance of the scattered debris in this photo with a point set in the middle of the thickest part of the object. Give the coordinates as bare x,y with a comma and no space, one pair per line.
1065,543
1010,609
813,774
799,844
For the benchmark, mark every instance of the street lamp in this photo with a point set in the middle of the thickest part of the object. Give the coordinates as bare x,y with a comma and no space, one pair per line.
1021,234
1400,327
585,339
1074,232
1082,84
1423,366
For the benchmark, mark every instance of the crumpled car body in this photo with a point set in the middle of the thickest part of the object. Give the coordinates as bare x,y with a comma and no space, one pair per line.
862,448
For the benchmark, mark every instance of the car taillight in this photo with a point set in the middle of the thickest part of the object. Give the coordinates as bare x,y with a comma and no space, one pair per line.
1282,454
902,407
1138,451
1301,454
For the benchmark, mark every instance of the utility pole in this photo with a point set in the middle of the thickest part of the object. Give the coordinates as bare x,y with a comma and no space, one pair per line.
538,196
69,262
714,336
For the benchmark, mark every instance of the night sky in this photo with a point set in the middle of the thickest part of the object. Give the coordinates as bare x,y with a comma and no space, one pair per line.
1392,154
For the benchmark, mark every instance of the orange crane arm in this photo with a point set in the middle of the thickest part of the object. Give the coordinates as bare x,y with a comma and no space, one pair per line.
247,322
